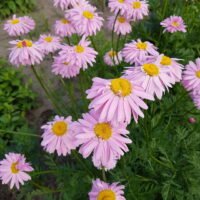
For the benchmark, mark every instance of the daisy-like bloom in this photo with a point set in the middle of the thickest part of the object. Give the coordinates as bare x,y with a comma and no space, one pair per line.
25,52
152,77
104,191
80,55
64,69
195,94
13,170
117,99
80,3
113,58
59,136
86,20
191,75
138,51
107,141
138,9
174,24
118,6
122,25
18,26
49,43
64,4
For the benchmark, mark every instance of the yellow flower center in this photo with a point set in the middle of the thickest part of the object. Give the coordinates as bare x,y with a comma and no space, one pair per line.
121,19
198,74
121,1
112,54
121,86
48,39
14,21
137,5
106,195
66,63
103,130
175,24
24,43
166,60
79,49
65,21
59,128
142,45
87,14
151,69
14,169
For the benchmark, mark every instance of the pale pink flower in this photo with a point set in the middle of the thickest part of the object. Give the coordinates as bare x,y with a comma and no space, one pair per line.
18,26
191,75
117,99
25,52
137,51
106,141
59,136
80,3
118,6
104,191
122,25
174,24
192,120
13,170
64,69
112,58
64,4
81,55
86,20
195,95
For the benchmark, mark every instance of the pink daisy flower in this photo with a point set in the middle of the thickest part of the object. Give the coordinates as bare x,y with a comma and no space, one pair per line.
122,25
107,141
152,77
117,99
80,3
104,191
18,26
195,94
118,6
25,52
64,4
13,170
138,9
59,136
138,51
49,43
80,55
112,58
174,24
191,75
86,20
64,69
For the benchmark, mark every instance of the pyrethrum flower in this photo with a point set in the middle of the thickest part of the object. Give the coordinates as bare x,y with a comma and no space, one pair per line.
86,20
104,191
122,24
117,99
18,26
106,141
191,75
64,4
13,170
59,136
174,24
25,52
118,6
49,43
113,58
64,69
137,51
195,95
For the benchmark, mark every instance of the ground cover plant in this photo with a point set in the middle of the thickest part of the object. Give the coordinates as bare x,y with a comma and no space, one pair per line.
125,120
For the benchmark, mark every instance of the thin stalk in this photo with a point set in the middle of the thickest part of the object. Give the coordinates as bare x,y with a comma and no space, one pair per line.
19,133
93,43
104,174
68,40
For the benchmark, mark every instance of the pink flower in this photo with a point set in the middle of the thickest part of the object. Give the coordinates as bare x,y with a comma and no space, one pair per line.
137,51
138,9
80,3
104,191
174,24
122,25
49,43
64,4
80,55
152,77
192,120
117,99
118,6
25,52
191,75
64,69
85,19
18,26
59,136
107,141
195,94
13,170
113,58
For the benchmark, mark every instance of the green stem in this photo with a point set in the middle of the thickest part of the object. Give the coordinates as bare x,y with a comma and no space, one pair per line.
104,174
19,133
93,43
68,40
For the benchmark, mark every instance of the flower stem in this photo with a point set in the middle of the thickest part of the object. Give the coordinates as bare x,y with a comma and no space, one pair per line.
93,43
104,174
19,133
